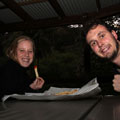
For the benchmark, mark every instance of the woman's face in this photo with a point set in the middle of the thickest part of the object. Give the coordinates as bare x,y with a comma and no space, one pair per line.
24,53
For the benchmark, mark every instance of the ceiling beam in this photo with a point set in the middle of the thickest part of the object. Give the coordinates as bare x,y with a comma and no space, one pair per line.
3,7
12,5
53,3
1,22
57,7
55,22
98,5
21,3
108,11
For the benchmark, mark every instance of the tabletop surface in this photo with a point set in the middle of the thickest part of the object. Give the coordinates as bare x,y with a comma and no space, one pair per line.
46,110
107,109
99,108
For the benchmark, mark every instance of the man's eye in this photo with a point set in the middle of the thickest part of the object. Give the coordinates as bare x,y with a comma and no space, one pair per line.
93,43
102,36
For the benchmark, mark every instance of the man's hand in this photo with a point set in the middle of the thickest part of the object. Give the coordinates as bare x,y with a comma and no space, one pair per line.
116,83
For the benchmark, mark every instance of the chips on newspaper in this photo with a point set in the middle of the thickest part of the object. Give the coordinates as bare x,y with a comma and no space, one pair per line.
67,92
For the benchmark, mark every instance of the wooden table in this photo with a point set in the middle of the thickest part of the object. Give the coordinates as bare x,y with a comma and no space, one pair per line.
107,109
47,110
98,108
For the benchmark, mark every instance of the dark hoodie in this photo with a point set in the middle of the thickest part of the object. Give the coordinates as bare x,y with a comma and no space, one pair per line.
14,79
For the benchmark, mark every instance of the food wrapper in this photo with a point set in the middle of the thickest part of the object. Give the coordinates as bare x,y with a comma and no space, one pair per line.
54,93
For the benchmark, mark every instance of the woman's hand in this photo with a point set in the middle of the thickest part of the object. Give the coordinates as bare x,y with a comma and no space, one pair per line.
37,83
116,83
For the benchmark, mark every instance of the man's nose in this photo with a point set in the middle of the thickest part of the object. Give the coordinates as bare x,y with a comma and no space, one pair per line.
100,44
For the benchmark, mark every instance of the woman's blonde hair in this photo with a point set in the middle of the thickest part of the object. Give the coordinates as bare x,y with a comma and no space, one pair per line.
11,50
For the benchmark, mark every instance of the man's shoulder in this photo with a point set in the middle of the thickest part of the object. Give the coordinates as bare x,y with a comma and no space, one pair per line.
118,70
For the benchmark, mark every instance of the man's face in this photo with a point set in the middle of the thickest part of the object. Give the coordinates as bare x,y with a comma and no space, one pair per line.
25,53
103,42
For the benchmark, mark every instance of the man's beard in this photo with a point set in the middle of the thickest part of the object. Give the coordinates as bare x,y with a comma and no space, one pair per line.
115,53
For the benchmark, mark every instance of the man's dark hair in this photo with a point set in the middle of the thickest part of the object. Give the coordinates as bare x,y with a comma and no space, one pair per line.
93,23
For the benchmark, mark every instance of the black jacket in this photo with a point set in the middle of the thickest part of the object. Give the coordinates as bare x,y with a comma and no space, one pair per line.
14,79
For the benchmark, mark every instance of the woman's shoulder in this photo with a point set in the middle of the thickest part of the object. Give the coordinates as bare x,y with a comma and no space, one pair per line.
8,62
8,65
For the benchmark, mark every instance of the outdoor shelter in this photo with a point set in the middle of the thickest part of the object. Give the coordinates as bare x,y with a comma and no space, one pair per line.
34,14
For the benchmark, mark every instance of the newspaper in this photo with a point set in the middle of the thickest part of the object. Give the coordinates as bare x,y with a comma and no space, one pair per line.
54,93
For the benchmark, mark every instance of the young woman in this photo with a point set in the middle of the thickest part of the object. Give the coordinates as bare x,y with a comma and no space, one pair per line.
14,77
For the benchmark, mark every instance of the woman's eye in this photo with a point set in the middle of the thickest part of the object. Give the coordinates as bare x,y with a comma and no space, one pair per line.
31,51
21,50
